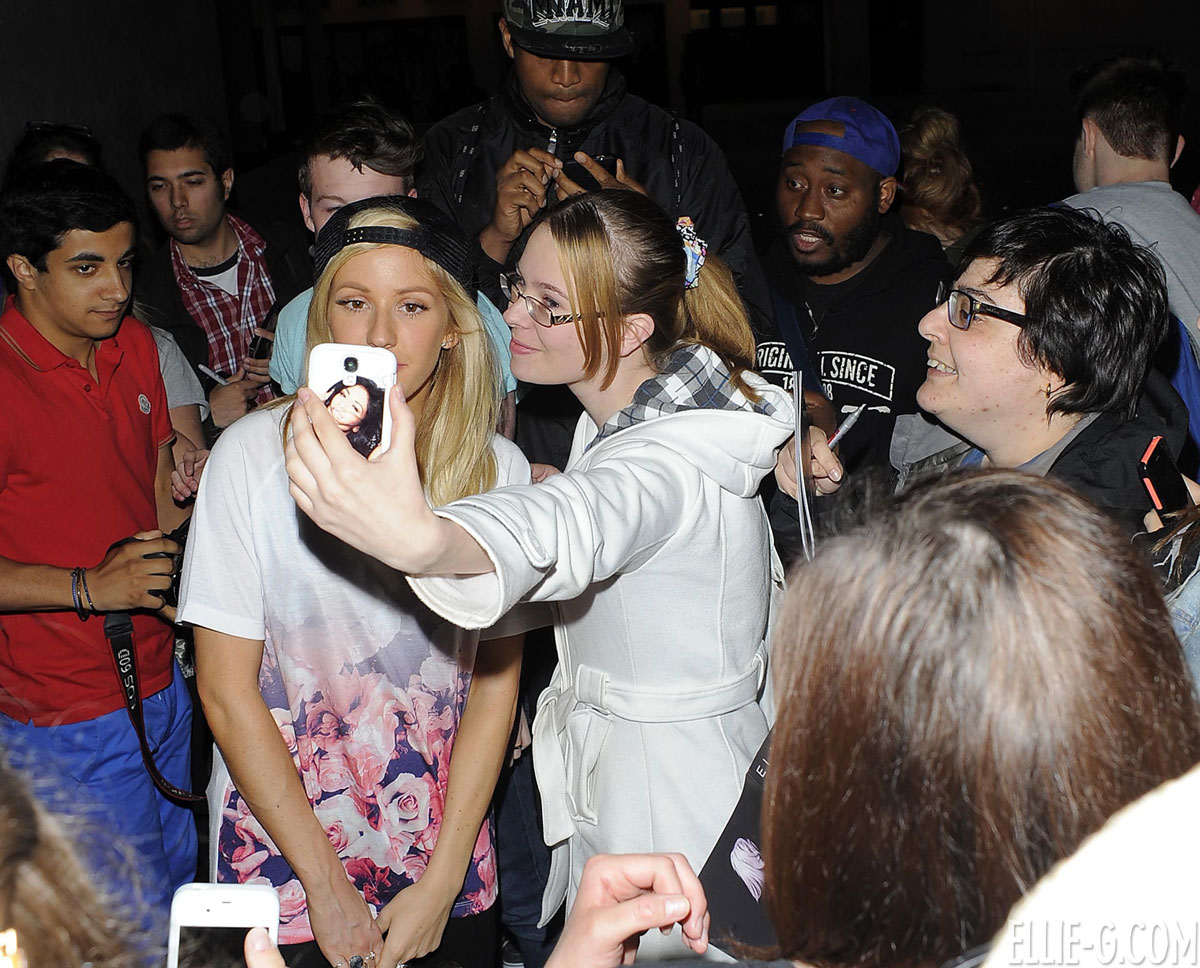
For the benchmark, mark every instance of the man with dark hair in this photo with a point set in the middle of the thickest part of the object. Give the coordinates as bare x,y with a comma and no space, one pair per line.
849,286
564,122
1072,301
1129,113
214,284
47,140
362,150
85,461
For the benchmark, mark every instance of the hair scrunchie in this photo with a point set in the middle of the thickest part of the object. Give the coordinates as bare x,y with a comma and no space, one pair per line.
694,247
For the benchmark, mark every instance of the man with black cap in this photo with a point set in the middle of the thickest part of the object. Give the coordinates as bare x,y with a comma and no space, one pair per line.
848,286
564,122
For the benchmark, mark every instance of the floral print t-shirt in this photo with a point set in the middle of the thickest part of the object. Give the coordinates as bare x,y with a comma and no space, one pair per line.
366,684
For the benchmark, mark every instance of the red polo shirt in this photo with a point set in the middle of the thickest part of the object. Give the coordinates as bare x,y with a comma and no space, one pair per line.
78,457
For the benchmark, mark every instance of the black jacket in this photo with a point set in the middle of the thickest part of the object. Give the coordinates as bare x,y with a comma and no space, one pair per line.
681,168
157,293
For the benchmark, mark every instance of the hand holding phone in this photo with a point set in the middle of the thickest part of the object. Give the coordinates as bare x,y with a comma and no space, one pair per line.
353,382
209,921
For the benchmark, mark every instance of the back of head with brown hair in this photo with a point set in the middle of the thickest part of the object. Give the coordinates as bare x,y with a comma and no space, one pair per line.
969,685
937,185
47,895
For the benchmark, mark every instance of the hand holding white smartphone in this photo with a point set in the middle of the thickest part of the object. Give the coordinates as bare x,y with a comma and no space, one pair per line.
210,921
353,382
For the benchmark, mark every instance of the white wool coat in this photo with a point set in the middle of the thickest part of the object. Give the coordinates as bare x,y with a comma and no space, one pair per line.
657,555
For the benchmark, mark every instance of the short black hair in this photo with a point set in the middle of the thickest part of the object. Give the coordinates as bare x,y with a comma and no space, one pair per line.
365,133
42,138
1095,302
43,203
1137,102
170,132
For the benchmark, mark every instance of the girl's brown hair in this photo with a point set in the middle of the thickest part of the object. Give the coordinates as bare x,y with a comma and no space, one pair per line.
937,186
622,255
969,685
50,898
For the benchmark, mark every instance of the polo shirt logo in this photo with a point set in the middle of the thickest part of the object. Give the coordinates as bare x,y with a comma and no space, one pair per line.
143,403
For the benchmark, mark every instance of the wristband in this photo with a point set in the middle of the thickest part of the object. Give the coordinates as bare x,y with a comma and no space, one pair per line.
86,594
79,610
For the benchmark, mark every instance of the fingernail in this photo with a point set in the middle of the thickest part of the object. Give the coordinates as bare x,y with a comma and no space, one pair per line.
835,475
304,394
675,906
259,939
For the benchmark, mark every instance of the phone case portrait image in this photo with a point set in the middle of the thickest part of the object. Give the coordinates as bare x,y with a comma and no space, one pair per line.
209,922
353,382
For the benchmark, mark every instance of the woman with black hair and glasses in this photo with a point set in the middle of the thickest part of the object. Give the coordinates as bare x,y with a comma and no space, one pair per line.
1039,359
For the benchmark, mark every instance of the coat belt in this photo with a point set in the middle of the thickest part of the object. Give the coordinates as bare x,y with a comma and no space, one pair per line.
565,802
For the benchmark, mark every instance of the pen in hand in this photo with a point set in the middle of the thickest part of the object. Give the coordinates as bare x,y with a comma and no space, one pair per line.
846,426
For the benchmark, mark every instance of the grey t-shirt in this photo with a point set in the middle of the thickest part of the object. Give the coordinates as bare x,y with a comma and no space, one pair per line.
1156,215
178,377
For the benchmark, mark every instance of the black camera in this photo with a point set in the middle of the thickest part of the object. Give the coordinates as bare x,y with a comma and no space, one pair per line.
350,364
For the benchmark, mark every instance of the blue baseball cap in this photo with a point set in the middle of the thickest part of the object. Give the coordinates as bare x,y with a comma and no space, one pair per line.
869,135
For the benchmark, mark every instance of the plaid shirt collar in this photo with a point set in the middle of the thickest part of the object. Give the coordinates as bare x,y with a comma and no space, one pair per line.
251,246
694,378
229,319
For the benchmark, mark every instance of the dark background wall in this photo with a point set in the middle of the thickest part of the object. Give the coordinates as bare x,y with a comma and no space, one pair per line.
264,67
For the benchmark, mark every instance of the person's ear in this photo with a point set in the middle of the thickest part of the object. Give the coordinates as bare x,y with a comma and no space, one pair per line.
1178,150
306,211
637,328
506,38
1090,134
887,193
26,272
451,339
227,182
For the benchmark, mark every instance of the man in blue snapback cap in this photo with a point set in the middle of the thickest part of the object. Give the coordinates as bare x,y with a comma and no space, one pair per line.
849,284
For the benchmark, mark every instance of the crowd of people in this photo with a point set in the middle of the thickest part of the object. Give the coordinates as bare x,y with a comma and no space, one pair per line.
612,418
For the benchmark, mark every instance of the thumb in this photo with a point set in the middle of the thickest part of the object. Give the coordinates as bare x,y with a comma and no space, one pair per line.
404,424
239,374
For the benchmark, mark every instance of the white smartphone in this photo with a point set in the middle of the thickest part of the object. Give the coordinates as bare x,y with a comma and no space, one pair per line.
209,922
354,381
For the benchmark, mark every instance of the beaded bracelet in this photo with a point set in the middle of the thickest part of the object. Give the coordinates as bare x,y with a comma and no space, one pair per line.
86,594
75,597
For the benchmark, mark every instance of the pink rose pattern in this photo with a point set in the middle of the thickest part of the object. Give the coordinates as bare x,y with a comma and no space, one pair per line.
372,741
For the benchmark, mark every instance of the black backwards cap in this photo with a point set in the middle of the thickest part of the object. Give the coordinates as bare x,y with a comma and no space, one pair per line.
437,237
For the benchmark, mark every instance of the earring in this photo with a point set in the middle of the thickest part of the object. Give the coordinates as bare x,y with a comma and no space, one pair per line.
1047,391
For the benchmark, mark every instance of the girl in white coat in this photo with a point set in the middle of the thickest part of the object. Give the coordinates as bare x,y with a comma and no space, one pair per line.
652,545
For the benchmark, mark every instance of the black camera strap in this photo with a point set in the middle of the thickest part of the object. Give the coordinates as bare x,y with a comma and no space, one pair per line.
118,629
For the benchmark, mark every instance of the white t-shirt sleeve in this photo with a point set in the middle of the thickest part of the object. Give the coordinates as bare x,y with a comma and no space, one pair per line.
221,586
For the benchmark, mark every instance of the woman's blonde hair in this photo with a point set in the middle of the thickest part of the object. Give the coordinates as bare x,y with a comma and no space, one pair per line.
454,432
622,255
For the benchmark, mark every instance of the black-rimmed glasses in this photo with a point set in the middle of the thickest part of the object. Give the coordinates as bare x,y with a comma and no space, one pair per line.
513,287
962,309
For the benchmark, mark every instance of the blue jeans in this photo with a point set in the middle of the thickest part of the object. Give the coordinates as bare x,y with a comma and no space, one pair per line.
94,770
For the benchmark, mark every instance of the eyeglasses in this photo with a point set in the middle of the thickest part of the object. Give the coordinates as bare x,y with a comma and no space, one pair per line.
513,287
40,126
962,309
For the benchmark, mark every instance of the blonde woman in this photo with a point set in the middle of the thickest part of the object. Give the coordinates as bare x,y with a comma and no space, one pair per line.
362,736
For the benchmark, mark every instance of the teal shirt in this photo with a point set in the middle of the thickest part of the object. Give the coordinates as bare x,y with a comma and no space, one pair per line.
291,337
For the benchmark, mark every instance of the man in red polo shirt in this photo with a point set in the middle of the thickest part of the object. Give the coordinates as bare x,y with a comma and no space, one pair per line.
85,461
